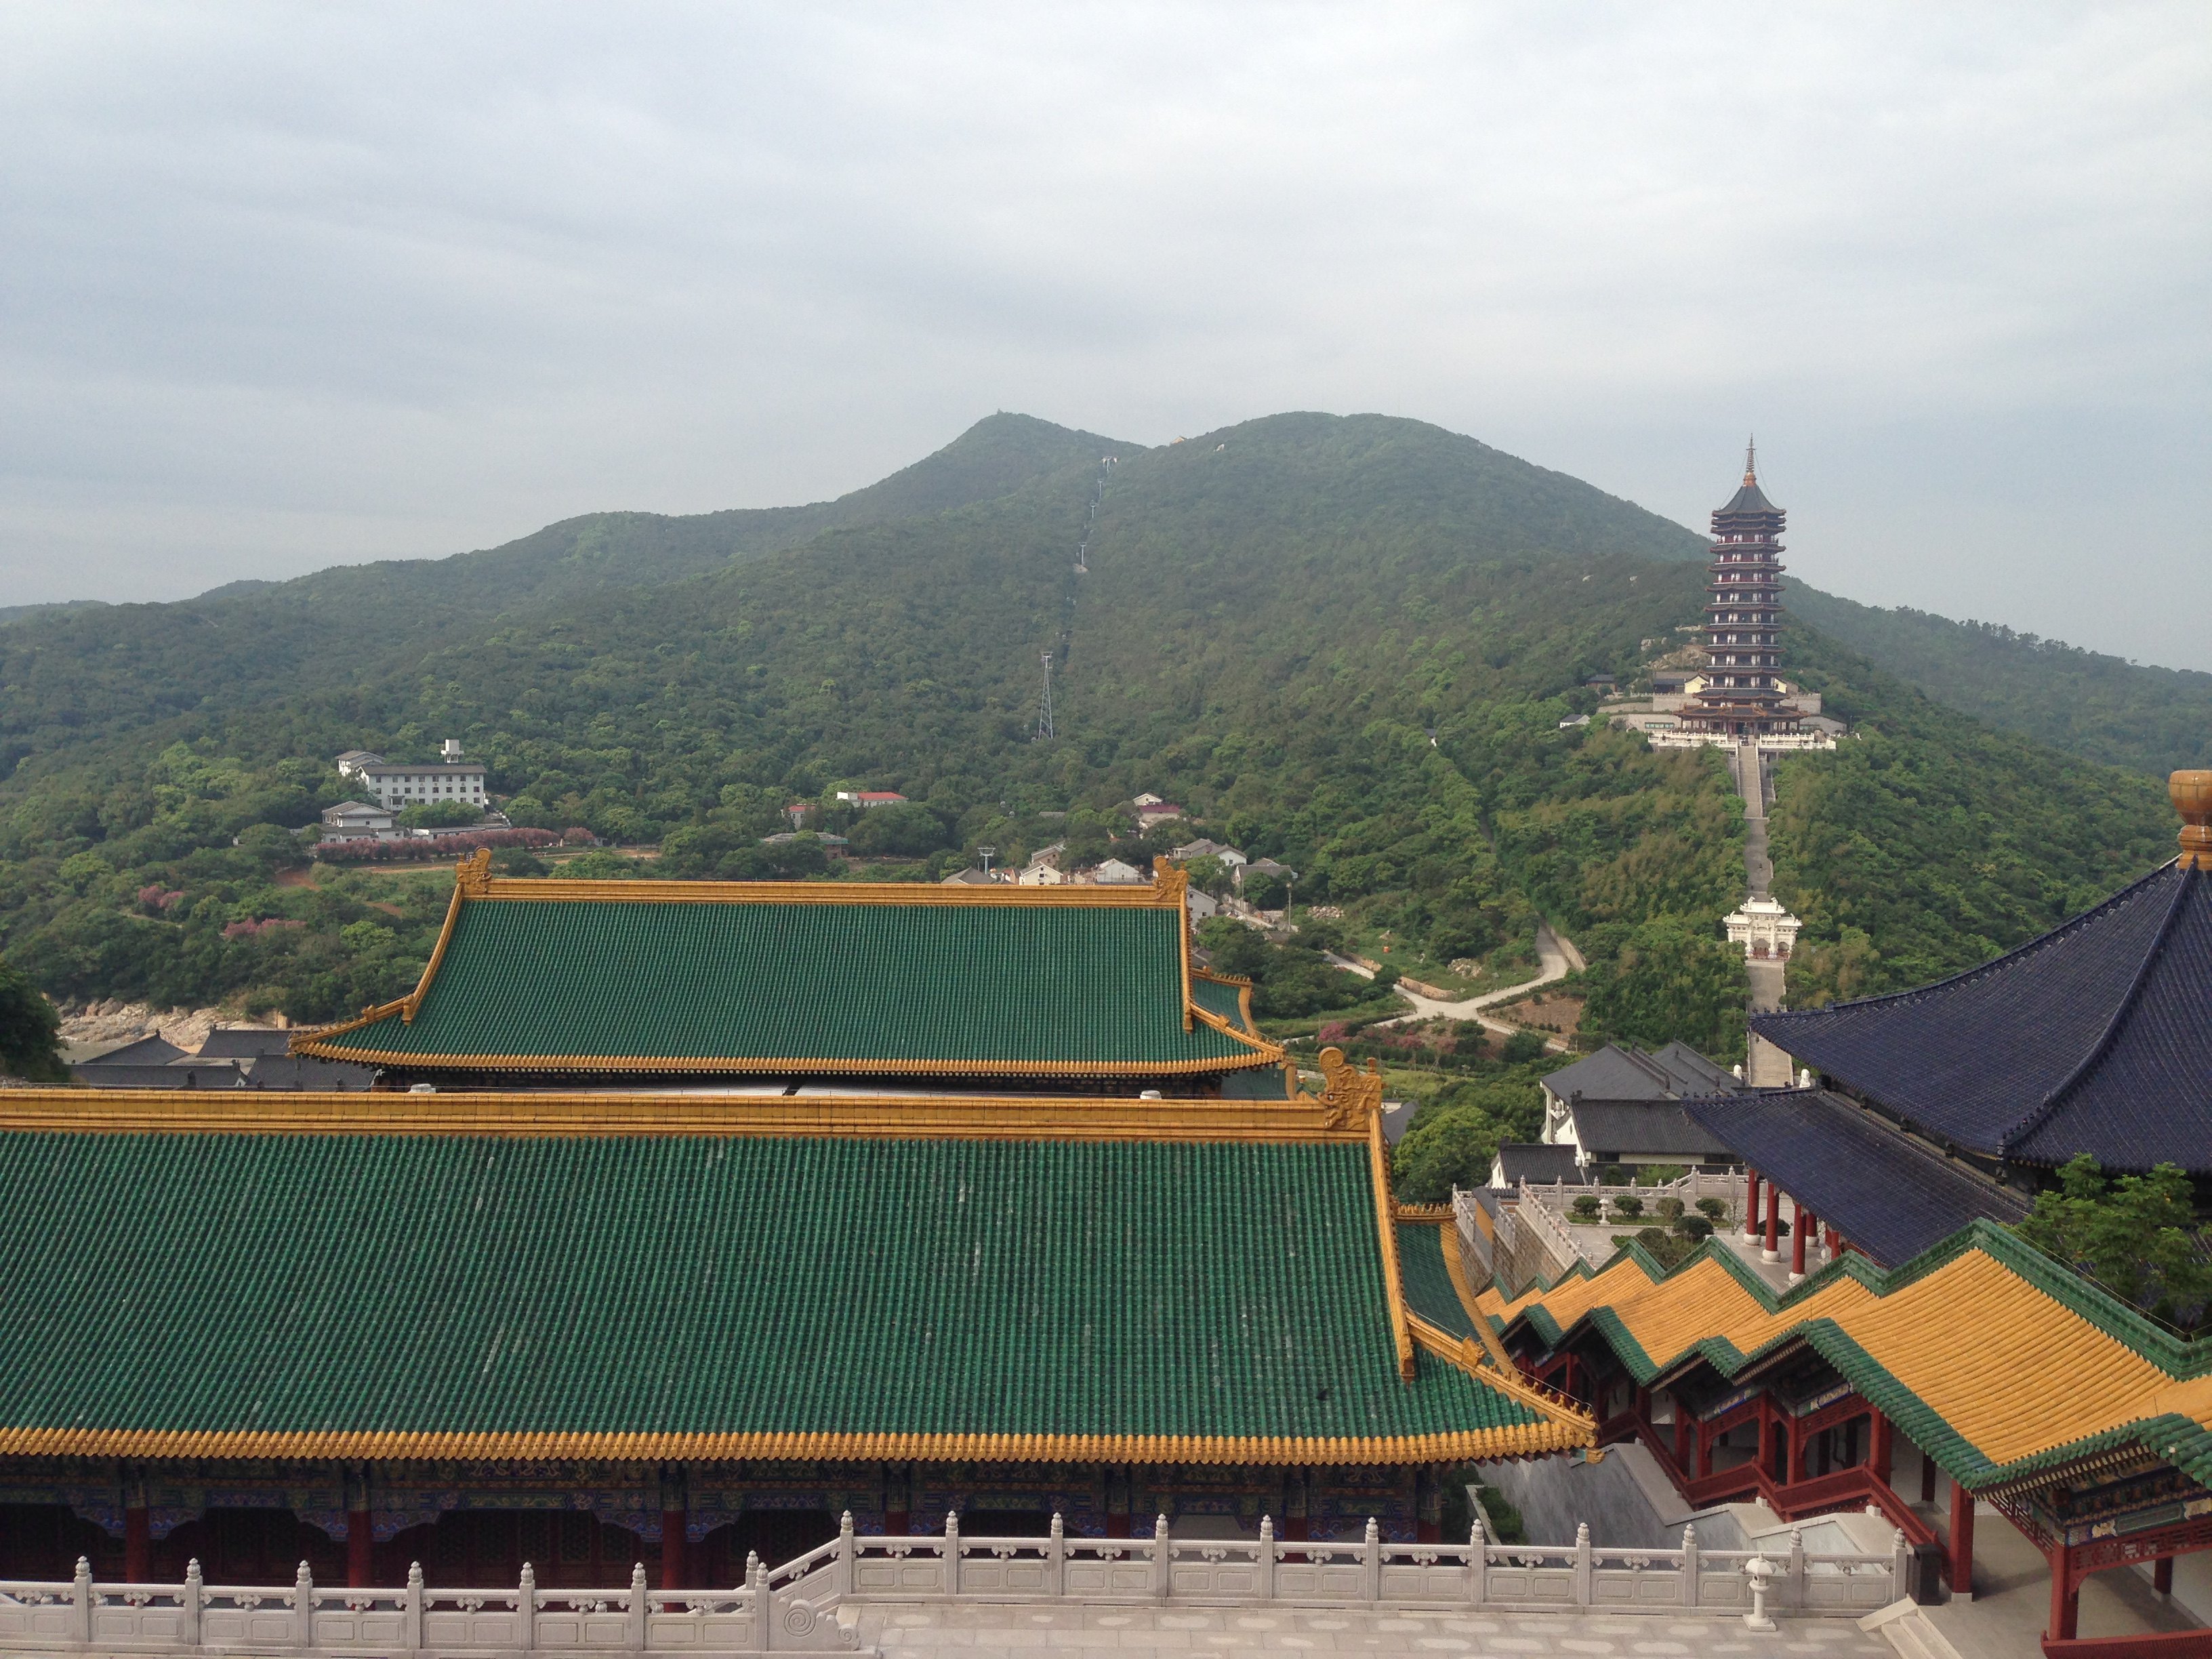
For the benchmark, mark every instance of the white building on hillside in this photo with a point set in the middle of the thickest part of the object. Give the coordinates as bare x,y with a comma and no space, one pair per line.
398,785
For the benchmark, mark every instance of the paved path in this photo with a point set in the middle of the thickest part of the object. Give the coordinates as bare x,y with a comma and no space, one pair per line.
1556,956
917,1629
1766,1066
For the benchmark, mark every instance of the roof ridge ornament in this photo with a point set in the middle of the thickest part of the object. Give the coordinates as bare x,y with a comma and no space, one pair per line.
472,875
1349,1096
2191,794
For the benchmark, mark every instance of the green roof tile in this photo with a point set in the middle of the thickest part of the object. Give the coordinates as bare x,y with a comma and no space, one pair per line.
999,986
328,1285
1429,1289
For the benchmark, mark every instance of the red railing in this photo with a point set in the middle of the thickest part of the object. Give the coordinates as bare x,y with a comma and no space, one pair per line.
2172,1644
1847,1489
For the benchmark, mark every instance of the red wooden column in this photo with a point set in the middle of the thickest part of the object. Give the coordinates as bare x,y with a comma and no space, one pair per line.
1682,1438
1751,1204
1797,1243
674,1514
1879,1445
1927,1478
360,1536
1962,1540
2066,1597
2161,1575
1770,1249
137,1545
1766,1438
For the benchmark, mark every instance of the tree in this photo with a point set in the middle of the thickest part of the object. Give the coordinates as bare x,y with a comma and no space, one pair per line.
29,1031
2138,1237
438,815
1521,1047
907,830
1447,1149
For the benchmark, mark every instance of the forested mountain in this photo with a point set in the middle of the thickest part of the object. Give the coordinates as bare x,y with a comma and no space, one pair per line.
74,673
2105,708
1348,643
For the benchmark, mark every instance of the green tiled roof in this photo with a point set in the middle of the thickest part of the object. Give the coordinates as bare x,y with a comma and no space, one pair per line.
1001,987
1226,1001
1429,1289
338,1287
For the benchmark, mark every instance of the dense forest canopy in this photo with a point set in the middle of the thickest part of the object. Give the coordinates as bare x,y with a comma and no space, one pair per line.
1354,645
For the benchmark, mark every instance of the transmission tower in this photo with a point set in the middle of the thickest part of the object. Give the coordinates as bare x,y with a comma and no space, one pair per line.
1044,713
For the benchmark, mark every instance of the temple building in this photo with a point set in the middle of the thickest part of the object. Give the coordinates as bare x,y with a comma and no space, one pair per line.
1741,696
1928,1121
686,1217
586,1329
804,987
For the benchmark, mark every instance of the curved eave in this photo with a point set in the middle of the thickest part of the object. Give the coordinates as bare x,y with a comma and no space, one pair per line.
1512,1440
785,1066
2177,1437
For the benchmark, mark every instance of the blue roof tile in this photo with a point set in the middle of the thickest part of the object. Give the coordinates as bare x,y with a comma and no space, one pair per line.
2095,1038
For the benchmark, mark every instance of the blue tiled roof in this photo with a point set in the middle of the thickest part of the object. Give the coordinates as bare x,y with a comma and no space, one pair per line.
2095,1038
1858,1175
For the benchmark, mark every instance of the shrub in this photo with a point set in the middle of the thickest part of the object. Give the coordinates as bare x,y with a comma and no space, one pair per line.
1585,1207
1522,1047
1713,1209
1629,1205
1670,1209
1692,1227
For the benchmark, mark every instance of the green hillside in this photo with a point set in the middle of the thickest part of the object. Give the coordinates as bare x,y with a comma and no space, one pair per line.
74,675
2103,708
1349,643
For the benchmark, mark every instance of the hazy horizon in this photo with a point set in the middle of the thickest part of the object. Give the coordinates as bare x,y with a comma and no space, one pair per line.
295,290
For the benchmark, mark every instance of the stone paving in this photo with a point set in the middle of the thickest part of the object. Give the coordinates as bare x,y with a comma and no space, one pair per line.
900,1631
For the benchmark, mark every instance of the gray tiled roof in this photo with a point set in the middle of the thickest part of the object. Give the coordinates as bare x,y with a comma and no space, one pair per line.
1859,1174
2095,1038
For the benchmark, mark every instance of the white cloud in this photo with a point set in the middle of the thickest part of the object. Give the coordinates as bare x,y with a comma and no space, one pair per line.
286,286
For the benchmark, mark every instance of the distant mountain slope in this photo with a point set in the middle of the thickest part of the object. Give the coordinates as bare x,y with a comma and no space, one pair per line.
75,674
2105,708
1351,644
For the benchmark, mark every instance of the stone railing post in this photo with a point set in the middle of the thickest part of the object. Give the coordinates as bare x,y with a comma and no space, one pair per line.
1796,1592
81,1592
1267,1557
303,1608
1163,1559
763,1603
193,1600
1370,1561
410,1609
1585,1565
1690,1566
845,1552
1055,1557
1900,1565
637,1607
526,1609
951,1547
1478,1563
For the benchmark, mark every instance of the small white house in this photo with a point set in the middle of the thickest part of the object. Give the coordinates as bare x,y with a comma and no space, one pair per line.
1116,873
353,820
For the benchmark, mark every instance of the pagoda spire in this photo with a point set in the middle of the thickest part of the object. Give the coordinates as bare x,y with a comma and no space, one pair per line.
1751,460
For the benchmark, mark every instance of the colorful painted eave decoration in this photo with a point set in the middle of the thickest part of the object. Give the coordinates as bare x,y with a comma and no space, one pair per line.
1995,1360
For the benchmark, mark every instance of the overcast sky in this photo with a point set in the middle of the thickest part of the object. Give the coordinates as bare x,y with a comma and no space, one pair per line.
284,287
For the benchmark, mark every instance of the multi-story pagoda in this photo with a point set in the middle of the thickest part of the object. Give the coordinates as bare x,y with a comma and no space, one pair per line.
1742,697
